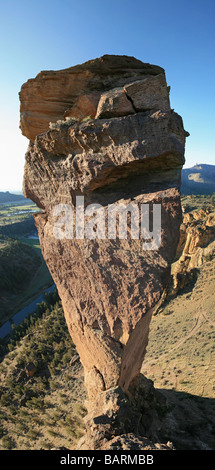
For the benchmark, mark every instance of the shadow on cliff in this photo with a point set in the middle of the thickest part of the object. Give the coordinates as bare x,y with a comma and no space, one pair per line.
164,418
187,420
167,415
120,185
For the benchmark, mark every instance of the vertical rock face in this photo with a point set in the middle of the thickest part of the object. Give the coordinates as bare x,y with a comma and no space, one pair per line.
126,153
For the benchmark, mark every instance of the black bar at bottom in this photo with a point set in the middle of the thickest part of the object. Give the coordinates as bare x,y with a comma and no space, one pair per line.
92,459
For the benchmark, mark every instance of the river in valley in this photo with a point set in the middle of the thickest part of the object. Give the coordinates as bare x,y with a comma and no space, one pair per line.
18,318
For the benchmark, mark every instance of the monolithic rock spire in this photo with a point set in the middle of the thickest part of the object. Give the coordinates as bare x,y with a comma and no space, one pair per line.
104,141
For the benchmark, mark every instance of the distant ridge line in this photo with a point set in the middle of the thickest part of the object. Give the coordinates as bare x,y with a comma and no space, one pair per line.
199,179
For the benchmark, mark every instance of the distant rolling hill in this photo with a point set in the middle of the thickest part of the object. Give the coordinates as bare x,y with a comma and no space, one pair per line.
200,179
6,196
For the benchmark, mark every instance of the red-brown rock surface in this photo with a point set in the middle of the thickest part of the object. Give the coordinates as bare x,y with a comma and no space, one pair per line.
46,98
196,244
84,107
108,287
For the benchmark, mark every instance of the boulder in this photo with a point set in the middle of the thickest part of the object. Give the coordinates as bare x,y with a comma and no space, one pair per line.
150,93
114,103
85,107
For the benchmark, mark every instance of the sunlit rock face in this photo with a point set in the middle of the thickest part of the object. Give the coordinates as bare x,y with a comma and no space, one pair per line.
52,93
117,142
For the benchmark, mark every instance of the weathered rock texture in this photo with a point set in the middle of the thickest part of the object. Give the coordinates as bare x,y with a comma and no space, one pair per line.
131,152
196,244
47,97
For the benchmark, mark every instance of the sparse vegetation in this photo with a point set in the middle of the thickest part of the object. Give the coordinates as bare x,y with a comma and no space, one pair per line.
61,123
65,123
17,261
182,334
36,407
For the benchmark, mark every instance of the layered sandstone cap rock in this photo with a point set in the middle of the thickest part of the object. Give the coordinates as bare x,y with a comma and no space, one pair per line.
104,131
52,93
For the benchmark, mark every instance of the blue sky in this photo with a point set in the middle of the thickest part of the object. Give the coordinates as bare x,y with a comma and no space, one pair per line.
51,35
